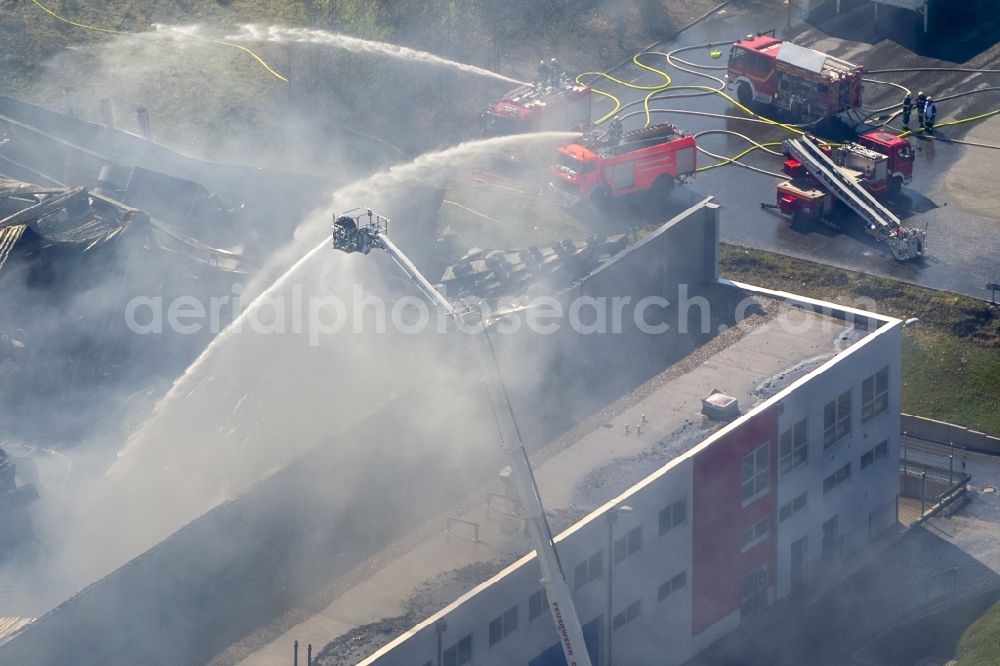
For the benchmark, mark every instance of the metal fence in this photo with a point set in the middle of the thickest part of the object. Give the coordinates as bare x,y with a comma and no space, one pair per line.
933,473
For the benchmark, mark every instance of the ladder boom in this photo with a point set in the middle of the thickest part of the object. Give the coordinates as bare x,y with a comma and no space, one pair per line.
351,235
843,186
553,578
886,227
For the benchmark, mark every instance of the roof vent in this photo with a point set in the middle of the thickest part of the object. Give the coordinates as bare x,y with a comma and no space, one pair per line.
720,407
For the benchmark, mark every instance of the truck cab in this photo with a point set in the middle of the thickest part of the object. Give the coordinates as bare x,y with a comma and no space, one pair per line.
899,152
577,170
750,70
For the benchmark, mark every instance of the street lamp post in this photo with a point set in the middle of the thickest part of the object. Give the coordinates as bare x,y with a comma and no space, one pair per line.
612,516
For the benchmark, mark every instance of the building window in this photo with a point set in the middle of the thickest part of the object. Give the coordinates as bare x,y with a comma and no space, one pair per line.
755,533
628,545
536,604
837,419
633,611
867,459
875,395
754,595
882,450
674,584
840,476
789,509
792,448
503,626
755,473
673,515
588,570
459,653
879,452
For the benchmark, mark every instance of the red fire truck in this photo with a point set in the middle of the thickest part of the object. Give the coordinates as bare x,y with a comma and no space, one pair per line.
880,162
600,168
855,174
538,108
807,84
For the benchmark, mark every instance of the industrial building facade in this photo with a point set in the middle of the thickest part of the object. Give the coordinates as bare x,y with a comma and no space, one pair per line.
777,503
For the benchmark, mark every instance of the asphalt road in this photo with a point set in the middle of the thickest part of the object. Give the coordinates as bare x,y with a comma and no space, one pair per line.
963,248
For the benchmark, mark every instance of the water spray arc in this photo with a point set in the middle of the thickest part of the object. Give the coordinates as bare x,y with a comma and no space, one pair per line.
93,28
366,232
427,167
284,35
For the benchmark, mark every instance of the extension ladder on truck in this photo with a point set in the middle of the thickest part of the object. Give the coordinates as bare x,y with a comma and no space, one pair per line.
879,220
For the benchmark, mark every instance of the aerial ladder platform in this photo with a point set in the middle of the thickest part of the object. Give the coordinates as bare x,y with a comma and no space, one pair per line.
882,223
357,234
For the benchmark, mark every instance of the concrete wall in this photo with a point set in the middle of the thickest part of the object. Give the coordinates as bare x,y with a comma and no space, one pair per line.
680,258
948,433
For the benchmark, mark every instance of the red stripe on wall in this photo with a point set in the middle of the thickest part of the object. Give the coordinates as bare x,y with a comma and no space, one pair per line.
719,519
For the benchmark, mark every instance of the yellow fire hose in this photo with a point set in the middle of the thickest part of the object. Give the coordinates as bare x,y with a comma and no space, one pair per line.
95,28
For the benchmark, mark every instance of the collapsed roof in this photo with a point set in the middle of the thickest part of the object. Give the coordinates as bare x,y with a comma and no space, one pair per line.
80,219
494,275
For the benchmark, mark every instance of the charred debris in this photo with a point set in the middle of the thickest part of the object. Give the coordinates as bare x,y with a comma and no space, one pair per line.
91,218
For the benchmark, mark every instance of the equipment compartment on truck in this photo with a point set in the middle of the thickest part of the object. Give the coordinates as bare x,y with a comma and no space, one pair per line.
650,157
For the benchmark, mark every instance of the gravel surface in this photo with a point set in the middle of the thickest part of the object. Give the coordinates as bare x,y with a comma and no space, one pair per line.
626,472
429,598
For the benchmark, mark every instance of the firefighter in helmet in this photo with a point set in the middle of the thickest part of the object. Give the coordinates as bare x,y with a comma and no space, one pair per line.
921,104
907,110
930,113
615,131
555,71
543,73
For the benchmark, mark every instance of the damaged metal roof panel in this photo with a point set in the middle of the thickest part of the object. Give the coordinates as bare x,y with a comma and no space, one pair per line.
510,274
78,217
68,217
8,238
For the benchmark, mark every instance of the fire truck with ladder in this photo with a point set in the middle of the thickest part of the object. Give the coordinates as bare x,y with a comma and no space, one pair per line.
878,164
599,168
807,84
538,108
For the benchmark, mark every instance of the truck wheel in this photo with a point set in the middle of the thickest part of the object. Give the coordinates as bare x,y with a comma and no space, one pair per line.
895,186
800,221
663,185
601,196
744,93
